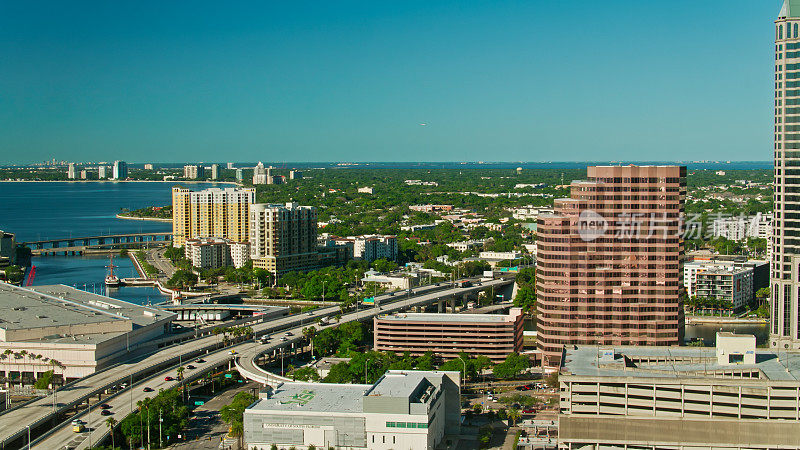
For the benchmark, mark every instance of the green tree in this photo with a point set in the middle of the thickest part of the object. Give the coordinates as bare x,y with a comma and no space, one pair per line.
233,413
111,423
513,365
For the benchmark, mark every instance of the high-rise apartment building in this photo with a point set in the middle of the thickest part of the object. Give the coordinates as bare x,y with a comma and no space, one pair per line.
609,261
215,171
230,166
101,172
213,212
120,170
71,174
283,238
193,172
261,174
785,279
148,167
239,175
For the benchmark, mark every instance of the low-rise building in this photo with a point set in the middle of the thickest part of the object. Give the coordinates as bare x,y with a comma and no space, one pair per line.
446,335
755,273
731,284
402,410
295,175
213,253
466,245
366,247
148,167
500,256
741,227
404,281
733,396
430,208
366,190
83,332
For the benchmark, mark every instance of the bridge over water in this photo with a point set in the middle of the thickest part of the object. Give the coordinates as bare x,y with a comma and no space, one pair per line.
107,241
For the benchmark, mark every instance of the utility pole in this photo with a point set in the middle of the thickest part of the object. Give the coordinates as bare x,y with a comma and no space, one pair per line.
160,443
148,428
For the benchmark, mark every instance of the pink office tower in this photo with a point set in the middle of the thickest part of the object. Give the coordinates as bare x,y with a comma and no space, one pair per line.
609,261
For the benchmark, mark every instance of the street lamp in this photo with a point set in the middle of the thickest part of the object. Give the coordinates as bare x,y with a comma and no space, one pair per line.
323,290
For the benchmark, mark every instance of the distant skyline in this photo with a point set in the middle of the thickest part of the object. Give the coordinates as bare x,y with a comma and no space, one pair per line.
380,81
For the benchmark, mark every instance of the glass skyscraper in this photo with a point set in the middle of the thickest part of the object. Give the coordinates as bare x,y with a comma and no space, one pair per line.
785,270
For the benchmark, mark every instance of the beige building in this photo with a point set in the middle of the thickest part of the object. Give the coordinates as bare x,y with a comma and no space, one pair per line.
212,253
731,397
283,238
213,212
84,332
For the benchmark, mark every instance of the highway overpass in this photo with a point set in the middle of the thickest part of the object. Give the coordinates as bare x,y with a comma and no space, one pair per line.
40,413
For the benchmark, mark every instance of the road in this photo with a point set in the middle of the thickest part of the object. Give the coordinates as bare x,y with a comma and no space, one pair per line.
246,362
121,404
164,265
13,423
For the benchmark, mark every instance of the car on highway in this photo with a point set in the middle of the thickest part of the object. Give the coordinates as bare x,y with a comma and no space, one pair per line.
199,360
309,313
168,378
529,411
106,412
232,352
288,333
105,406
190,367
78,426
147,389
283,339
526,387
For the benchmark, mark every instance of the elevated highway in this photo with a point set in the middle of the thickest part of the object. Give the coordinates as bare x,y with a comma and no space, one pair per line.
147,370
246,361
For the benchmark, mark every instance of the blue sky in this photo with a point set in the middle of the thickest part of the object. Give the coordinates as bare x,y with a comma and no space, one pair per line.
353,81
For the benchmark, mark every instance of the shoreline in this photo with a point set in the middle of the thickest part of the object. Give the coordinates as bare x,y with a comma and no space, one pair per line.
122,181
150,219
725,320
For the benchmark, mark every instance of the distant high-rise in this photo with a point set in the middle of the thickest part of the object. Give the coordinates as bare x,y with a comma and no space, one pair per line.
84,174
215,171
101,172
120,170
785,270
239,175
71,174
295,175
230,165
609,261
261,175
192,172
148,167
214,212
283,238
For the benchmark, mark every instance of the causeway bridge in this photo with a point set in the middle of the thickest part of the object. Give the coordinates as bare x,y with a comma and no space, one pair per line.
107,241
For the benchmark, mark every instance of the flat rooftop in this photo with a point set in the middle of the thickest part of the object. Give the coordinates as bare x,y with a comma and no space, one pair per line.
60,306
447,318
344,398
316,397
675,362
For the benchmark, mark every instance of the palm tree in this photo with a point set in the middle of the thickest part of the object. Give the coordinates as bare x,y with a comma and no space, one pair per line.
180,372
111,423
513,415
309,333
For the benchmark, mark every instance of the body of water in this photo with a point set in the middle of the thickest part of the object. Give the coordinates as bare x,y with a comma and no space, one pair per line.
54,210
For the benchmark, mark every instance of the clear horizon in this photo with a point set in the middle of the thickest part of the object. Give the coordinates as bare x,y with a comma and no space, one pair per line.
361,81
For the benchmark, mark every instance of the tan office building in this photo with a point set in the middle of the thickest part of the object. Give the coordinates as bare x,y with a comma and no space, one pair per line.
609,261
283,238
214,212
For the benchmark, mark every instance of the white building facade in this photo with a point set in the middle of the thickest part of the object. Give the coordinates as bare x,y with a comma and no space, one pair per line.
402,410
